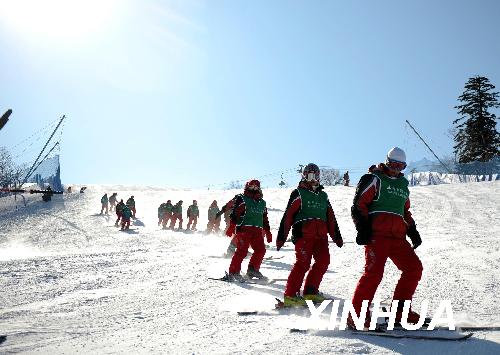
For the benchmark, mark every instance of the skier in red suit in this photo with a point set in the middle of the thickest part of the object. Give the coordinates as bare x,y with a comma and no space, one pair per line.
310,216
381,214
249,221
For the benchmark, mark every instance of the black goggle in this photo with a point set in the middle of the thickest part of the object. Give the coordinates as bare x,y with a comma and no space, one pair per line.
396,165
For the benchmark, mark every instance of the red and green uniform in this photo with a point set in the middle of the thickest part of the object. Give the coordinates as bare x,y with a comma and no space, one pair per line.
126,214
193,212
213,221
382,204
310,216
176,215
249,214
131,204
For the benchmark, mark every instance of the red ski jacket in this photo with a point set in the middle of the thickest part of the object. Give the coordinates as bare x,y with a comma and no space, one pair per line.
308,228
383,224
239,210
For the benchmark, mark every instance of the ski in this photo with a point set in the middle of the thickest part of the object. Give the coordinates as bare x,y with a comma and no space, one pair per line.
267,258
279,309
478,328
465,328
408,335
248,281
401,335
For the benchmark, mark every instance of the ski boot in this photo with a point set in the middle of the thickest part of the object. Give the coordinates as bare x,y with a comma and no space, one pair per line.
233,277
352,326
294,301
312,294
252,273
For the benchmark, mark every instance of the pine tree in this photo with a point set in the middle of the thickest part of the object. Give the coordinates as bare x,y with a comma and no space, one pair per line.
476,136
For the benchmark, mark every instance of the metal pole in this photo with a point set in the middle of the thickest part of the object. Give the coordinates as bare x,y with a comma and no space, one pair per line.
443,164
5,118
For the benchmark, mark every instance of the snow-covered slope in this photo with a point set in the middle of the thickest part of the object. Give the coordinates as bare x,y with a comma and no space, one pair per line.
71,282
434,178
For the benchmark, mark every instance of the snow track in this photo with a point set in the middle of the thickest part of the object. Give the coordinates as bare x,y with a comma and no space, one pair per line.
70,281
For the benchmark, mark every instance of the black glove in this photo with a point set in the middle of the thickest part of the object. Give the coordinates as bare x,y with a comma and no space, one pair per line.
218,214
414,235
364,235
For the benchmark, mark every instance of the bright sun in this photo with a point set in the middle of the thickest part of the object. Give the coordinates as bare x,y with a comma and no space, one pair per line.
70,21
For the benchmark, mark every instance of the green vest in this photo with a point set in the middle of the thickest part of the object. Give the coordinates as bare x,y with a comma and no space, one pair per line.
314,206
212,212
168,207
254,212
392,195
193,211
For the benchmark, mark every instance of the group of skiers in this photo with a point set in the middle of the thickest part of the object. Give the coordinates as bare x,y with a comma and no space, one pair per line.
124,210
173,213
381,215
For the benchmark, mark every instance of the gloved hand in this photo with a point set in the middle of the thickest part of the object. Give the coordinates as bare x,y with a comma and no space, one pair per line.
339,241
231,229
269,236
414,236
279,244
364,235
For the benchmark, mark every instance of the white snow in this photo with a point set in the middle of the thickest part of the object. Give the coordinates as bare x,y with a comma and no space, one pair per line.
70,282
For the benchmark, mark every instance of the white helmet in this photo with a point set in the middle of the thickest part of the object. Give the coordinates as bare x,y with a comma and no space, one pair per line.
396,155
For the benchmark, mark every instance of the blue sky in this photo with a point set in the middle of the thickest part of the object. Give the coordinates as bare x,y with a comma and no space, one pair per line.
193,93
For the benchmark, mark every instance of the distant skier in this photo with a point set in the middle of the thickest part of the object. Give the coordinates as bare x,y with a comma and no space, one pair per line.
104,203
310,216
131,204
346,178
193,213
126,214
47,195
381,214
213,224
112,201
249,221
161,212
176,215
119,211
167,214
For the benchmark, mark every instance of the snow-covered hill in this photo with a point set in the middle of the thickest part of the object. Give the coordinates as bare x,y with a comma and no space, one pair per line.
434,178
70,281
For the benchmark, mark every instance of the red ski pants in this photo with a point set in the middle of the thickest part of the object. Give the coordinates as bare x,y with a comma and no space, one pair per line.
306,248
402,255
213,226
173,220
165,218
243,241
125,223
192,220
